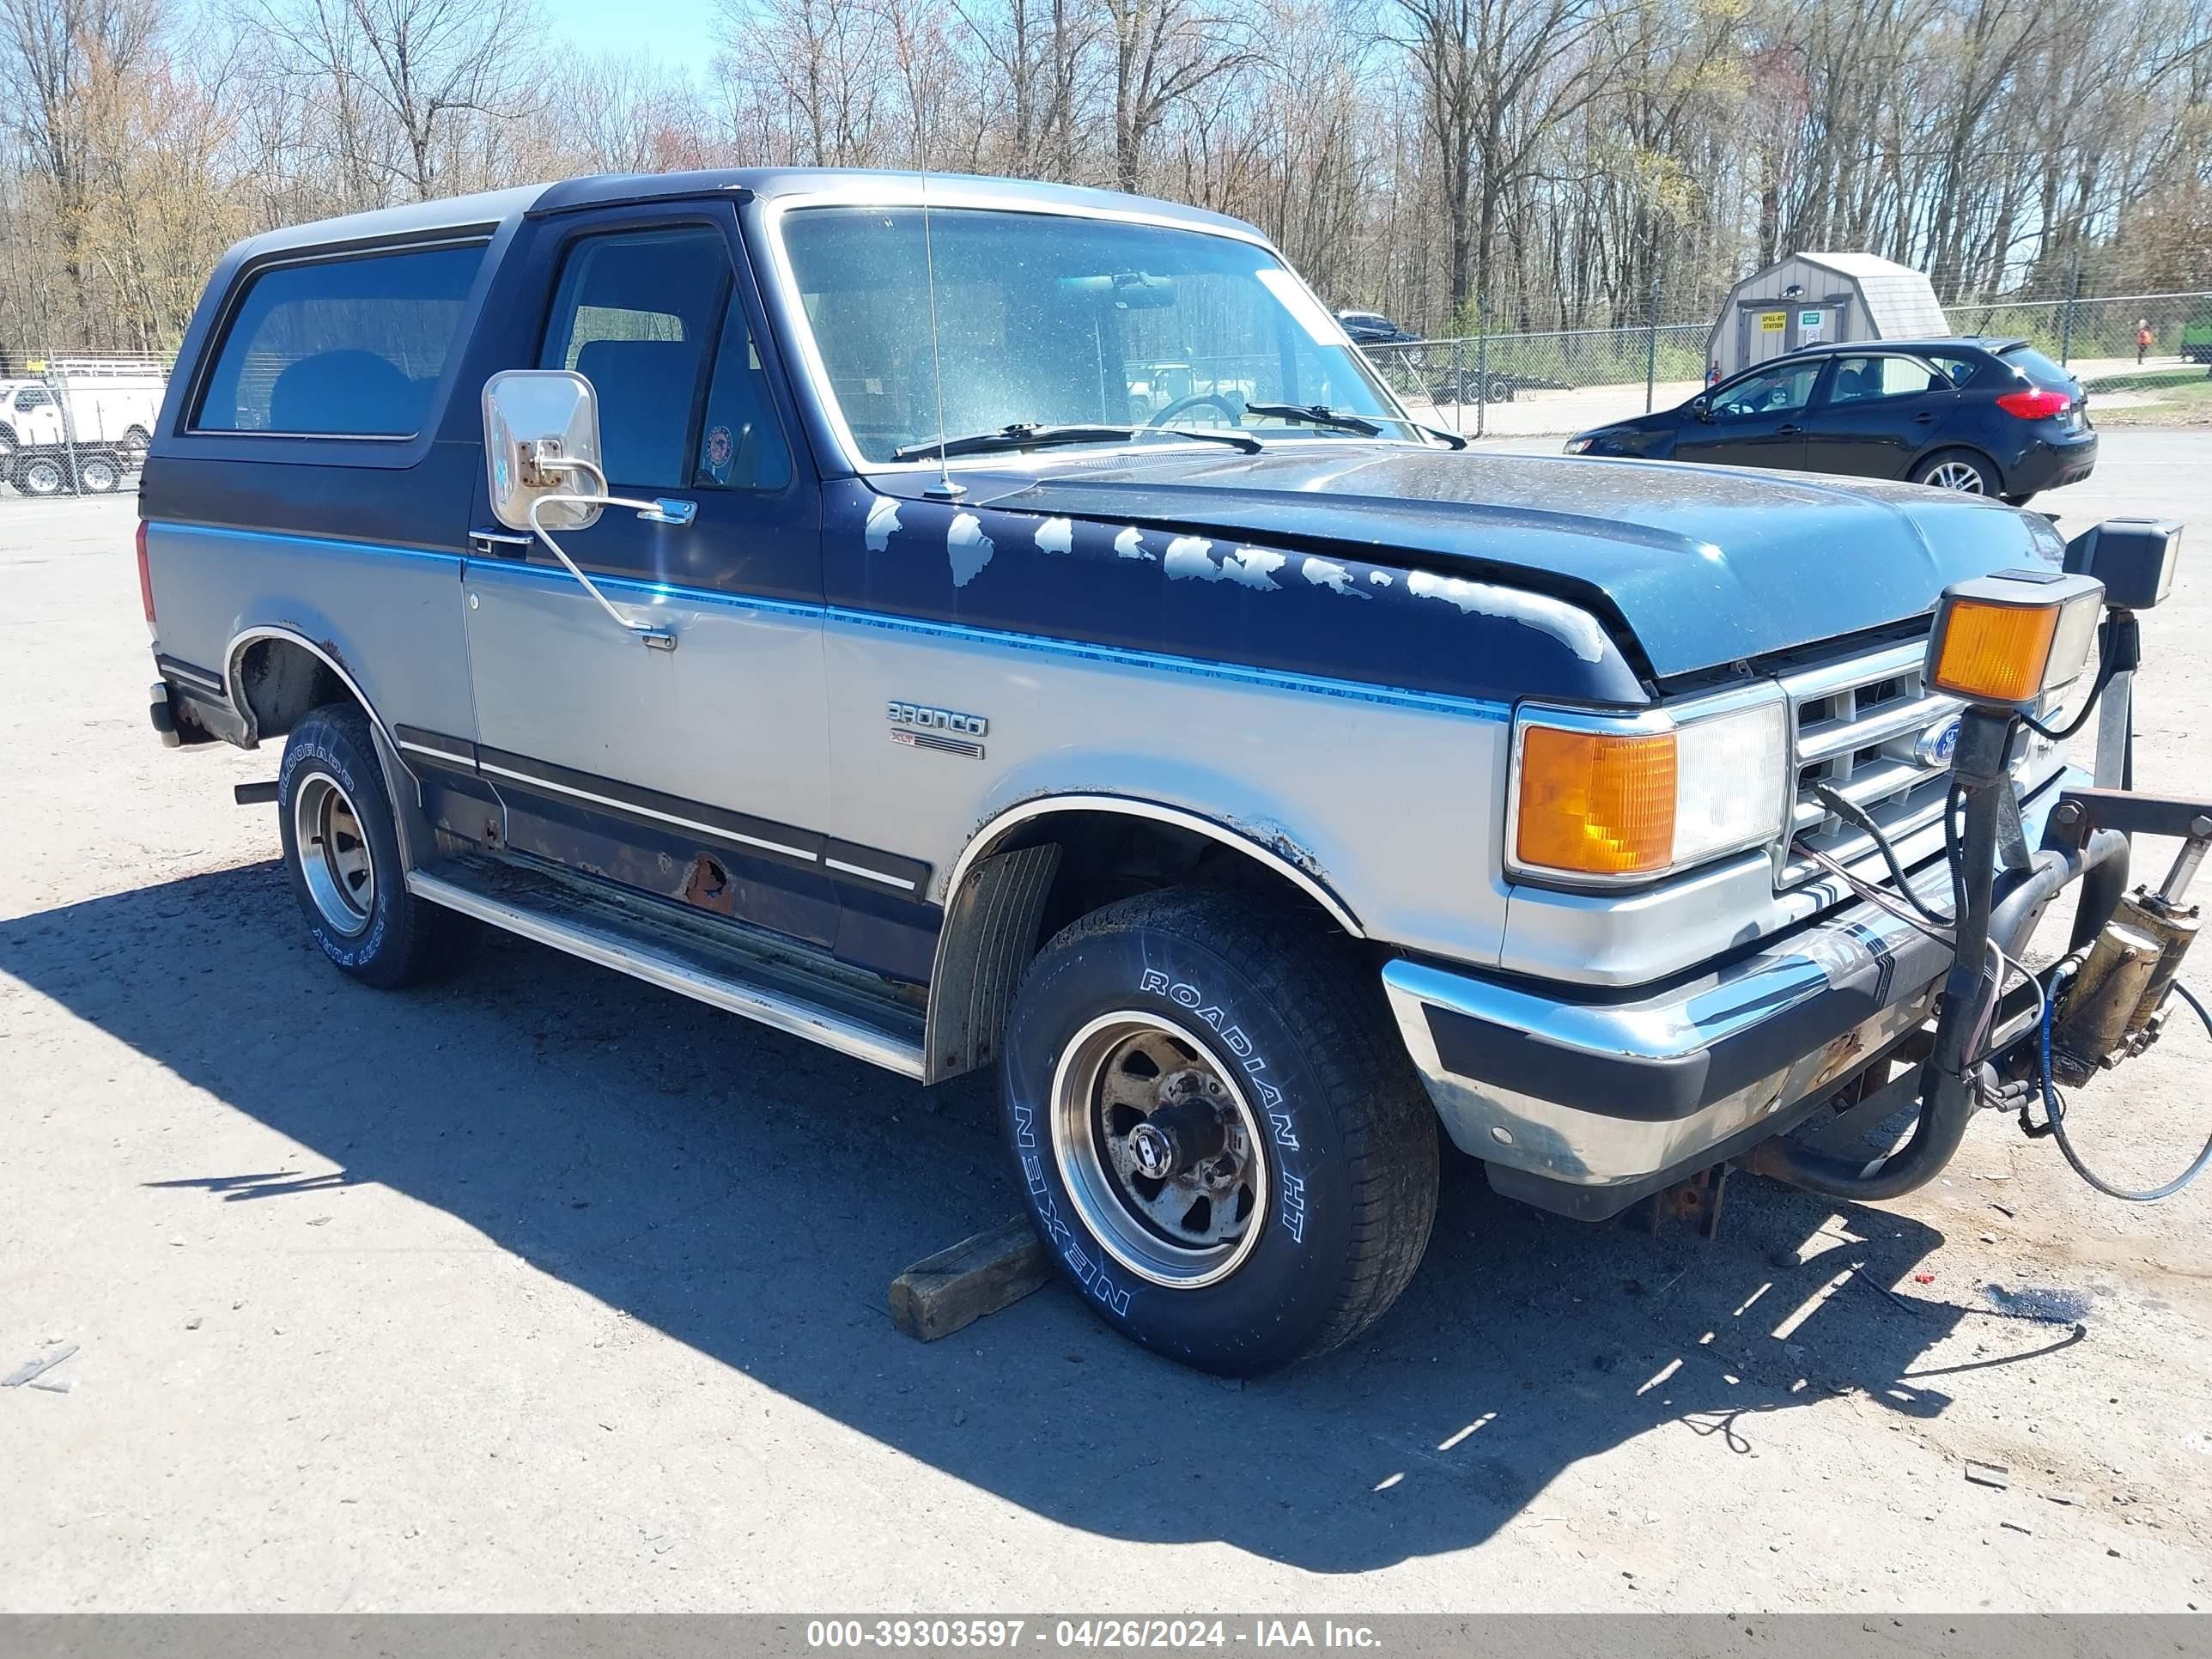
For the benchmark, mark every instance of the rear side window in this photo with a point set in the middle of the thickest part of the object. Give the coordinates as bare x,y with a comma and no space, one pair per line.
342,348
1960,369
1867,380
2038,367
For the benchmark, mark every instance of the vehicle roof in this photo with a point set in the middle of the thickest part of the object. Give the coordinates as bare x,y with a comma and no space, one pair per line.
492,208
1990,342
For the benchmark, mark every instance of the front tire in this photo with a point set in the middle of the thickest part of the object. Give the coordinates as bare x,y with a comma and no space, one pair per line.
342,852
41,475
1217,1135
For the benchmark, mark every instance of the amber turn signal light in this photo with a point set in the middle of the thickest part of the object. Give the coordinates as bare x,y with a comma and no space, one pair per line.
1599,802
2004,640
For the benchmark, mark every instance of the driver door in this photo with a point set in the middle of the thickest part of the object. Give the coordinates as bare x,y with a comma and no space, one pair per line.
696,773
1756,419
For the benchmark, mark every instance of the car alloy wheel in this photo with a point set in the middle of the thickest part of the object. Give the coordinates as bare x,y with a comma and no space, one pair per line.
1159,1151
1956,475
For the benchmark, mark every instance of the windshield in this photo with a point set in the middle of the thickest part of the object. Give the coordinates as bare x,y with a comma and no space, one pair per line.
1049,320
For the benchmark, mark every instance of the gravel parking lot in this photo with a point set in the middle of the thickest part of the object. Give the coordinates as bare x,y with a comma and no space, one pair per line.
541,1289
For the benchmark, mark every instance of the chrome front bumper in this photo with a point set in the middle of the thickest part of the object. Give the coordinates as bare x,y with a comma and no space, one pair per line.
1578,1102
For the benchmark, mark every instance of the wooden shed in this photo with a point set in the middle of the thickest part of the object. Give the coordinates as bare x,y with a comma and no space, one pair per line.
1809,298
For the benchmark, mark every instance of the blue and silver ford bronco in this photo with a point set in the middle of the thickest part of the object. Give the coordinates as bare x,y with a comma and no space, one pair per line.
966,623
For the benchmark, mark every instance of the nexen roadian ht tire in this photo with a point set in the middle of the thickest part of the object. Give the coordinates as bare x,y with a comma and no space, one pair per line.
1220,1138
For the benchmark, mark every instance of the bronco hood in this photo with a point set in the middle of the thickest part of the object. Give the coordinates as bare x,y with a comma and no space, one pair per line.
1704,565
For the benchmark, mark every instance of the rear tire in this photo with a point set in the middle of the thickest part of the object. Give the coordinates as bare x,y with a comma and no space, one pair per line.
99,475
342,852
1299,1152
1960,469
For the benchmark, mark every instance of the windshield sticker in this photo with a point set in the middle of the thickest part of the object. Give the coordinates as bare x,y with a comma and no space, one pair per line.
882,520
1317,323
718,452
1056,536
971,549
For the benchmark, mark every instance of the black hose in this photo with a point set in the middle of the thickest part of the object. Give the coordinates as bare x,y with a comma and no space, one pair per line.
1949,1095
2120,646
1852,812
2056,1108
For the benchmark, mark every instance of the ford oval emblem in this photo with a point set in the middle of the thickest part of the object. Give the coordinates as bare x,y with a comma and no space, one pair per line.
1933,746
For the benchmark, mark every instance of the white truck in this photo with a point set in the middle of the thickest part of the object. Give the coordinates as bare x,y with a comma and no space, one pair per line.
81,426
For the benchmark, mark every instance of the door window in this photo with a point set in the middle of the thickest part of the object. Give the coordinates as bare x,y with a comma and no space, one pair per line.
1773,392
636,314
32,397
1866,380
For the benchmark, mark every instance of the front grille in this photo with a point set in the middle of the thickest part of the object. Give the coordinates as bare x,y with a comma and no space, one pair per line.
1859,724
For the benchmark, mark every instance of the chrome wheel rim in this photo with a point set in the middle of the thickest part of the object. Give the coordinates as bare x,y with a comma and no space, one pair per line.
1159,1151
99,476
1956,475
42,479
334,854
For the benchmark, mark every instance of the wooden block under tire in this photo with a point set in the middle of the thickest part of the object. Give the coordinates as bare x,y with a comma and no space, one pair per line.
941,1294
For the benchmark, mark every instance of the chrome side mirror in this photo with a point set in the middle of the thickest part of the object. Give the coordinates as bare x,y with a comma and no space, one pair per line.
542,439
542,449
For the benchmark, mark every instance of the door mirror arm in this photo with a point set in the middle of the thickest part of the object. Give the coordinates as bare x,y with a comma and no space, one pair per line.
1702,407
542,451
657,511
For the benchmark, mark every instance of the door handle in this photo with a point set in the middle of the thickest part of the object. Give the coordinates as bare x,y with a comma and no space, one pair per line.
499,544
1788,431
1926,418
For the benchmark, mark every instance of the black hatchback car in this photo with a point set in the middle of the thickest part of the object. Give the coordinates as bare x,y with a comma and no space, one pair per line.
1992,417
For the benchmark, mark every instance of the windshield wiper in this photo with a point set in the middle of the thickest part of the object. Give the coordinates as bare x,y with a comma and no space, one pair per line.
1030,435
1366,426
1318,415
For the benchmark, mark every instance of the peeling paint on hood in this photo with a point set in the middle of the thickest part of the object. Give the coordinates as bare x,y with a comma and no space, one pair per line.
968,547
1705,565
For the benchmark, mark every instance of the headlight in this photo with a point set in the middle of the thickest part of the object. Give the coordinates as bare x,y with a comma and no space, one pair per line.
1617,798
1580,445
2007,639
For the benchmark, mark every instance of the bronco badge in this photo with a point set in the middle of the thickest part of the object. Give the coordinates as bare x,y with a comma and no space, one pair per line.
920,726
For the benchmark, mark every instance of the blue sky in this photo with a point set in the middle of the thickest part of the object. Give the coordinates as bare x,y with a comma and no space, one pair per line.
681,33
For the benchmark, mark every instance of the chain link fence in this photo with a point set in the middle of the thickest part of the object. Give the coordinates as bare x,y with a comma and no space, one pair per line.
1537,384
1515,385
80,426
77,426
2102,334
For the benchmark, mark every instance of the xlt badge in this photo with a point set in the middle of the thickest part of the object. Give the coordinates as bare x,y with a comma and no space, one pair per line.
920,726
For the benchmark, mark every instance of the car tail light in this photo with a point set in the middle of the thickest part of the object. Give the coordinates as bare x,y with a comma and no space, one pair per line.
2035,404
145,576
